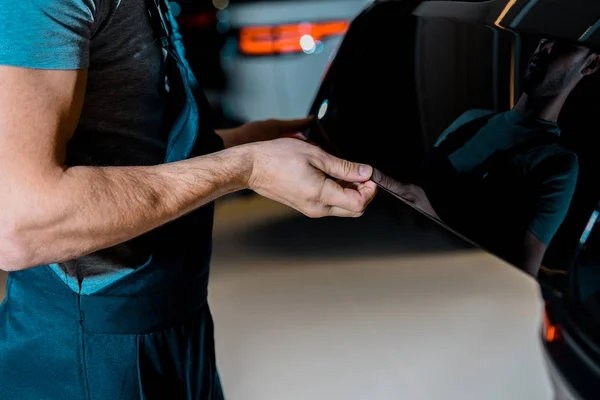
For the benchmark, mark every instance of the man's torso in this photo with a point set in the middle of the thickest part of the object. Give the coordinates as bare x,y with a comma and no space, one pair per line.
123,117
506,168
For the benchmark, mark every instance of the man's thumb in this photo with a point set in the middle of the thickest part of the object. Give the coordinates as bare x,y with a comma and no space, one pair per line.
344,170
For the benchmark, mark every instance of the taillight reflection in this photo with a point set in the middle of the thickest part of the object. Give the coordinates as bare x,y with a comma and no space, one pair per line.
291,38
551,331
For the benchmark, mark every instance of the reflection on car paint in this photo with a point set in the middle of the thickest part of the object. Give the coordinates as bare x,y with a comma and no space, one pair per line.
323,109
504,178
489,131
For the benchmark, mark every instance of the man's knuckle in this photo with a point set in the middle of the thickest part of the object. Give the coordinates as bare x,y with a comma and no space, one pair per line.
315,210
310,214
309,211
347,166
363,207
321,212
311,193
358,205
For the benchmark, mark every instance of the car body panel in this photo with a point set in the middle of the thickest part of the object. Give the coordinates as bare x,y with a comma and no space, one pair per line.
407,70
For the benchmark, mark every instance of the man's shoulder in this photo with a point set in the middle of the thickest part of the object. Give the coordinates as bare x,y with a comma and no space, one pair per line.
471,116
47,34
474,114
463,119
555,161
564,159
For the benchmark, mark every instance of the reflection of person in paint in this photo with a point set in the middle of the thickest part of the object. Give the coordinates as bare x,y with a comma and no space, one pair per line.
515,180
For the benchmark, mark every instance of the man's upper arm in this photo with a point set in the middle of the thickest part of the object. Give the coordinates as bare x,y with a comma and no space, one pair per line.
46,34
533,254
44,54
558,176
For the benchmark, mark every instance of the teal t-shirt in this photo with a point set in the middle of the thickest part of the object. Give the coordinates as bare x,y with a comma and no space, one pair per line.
122,121
559,167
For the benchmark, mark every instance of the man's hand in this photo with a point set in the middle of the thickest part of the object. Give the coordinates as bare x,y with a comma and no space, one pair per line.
295,173
260,131
413,194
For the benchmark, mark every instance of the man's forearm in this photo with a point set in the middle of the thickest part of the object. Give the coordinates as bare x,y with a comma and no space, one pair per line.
532,254
86,209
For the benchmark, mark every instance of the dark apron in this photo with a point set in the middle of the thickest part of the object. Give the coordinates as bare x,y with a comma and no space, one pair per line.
148,335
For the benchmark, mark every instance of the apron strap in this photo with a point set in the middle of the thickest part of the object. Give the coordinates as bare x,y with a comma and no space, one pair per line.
184,132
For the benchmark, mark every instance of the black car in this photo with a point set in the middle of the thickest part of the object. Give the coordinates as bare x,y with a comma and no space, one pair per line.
482,116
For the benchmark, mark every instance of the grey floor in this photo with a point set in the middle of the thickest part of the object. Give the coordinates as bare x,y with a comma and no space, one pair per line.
366,309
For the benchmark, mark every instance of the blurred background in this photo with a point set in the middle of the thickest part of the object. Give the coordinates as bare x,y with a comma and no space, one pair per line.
259,59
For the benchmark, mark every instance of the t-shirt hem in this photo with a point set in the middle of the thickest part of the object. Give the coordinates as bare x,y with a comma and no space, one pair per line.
545,239
53,58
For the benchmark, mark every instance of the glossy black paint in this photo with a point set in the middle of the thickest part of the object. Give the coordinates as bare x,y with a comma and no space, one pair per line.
574,357
370,87
407,69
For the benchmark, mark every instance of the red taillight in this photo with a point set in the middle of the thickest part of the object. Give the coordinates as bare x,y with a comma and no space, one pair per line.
551,331
291,38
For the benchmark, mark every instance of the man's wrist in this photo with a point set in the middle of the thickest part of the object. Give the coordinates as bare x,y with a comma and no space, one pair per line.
239,164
